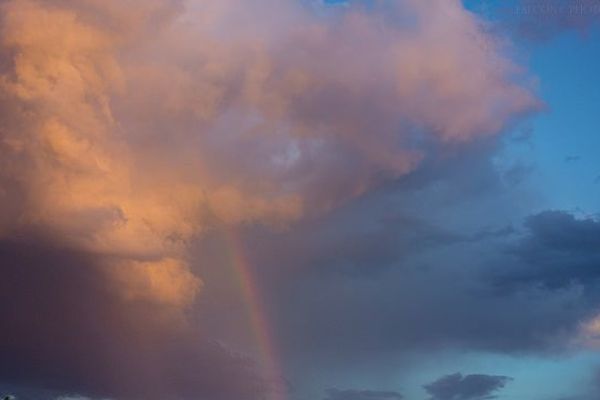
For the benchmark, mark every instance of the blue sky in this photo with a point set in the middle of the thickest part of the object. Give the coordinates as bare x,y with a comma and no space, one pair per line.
566,136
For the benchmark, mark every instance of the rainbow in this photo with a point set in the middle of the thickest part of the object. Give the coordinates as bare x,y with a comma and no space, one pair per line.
258,319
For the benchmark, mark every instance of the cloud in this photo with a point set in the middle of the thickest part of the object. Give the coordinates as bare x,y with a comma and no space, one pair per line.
130,141
466,387
559,250
69,329
384,306
131,129
337,394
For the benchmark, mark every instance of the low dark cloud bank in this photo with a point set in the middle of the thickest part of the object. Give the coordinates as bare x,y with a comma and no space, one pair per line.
520,285
466,387
65,329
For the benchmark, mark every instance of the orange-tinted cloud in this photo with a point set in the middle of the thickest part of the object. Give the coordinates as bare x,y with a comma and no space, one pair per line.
129,126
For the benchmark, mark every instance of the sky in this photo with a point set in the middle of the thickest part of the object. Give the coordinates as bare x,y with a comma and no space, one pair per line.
299,199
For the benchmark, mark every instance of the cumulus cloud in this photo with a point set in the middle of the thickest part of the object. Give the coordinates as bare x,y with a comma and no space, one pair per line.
129,128
121,140
466,387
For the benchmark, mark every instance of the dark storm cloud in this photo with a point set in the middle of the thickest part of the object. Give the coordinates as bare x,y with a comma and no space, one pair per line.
65,330
557,250
563,232
475,289
423,308
467,387
348,394
360,250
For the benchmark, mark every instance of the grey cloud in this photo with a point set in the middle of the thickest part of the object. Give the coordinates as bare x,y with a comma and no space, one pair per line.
557,250
369,282
66,331
466,387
